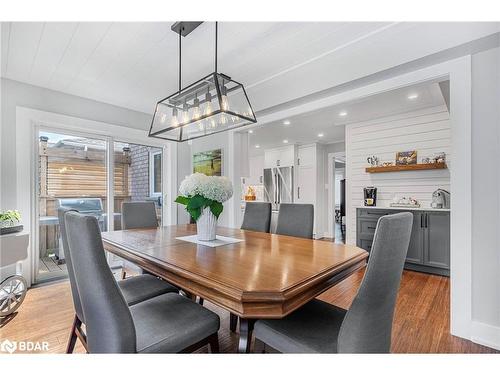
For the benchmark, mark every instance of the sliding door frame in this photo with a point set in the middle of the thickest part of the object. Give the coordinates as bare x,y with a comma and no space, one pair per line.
30,121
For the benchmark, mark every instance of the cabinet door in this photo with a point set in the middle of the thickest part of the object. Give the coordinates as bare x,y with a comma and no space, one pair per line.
256,170
306,156
286,157
306,185
437,239
271,158
416,247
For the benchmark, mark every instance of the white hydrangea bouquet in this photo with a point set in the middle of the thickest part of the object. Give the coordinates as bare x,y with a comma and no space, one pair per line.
203,197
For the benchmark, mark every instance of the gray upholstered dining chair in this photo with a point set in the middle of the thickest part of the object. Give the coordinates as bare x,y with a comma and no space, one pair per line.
257,217
137,215
135,289
319,327
296,220
168,323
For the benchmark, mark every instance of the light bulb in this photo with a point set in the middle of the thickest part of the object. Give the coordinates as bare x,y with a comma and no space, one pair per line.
225,103
175,120
196,110
185,114
208,104
163,118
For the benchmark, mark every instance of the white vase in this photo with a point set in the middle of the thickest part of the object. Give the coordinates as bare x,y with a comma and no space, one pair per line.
206,225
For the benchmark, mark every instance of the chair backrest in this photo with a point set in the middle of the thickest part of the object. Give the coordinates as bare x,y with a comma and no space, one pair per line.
257,217
139,215
296,220
108,321
367,326
61,211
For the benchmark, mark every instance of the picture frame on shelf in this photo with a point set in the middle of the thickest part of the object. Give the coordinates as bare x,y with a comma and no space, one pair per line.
406,157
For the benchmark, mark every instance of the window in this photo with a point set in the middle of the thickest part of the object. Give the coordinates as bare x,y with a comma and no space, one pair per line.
155,173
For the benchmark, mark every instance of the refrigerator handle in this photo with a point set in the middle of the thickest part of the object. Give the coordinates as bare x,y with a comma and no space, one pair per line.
279,190
276,189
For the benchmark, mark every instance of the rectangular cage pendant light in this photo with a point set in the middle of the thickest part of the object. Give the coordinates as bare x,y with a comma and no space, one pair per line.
211,105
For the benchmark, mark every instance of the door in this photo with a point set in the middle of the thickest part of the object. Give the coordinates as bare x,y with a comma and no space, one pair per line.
306,185
71,168
270,187
416,247
437,241
285,185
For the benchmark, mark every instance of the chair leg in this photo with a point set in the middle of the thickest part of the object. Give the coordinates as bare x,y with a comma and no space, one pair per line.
72,338
214,343
124,274
233,322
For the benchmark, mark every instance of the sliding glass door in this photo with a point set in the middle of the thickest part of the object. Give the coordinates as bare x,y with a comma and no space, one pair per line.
72,173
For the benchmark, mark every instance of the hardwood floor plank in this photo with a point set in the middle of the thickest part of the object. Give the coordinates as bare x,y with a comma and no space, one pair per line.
421,319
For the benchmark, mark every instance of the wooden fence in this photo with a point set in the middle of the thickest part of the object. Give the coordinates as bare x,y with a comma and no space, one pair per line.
72,173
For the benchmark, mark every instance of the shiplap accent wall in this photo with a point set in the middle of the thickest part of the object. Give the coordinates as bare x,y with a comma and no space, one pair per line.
427,131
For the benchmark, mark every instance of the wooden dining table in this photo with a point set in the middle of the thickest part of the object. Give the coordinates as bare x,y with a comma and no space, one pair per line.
265,276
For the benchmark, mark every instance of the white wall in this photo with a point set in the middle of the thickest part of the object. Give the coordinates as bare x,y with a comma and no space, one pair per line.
14,94
185,153
486,189
427,131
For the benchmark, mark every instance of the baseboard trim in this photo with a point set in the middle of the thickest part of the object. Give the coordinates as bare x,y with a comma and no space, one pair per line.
485,334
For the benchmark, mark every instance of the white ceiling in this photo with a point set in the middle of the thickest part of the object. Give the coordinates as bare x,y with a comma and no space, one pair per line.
134,64
304,128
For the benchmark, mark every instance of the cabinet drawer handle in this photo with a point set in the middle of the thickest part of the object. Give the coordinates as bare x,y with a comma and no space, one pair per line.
372,228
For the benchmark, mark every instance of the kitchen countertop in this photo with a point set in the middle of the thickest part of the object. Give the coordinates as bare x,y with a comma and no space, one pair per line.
405,208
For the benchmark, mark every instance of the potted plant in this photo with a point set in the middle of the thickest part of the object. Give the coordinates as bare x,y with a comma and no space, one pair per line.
10,222
203,197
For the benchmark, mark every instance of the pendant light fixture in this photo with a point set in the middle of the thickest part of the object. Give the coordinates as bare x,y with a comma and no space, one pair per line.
213,104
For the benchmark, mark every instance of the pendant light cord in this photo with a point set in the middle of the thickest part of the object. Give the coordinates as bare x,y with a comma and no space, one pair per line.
180,60
216,31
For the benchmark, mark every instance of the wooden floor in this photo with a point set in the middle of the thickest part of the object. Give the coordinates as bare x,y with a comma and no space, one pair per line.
421,323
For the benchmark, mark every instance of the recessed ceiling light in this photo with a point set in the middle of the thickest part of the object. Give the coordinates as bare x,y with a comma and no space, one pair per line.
285,140
286,122
257,146
342,113
413,96
250,131
320,135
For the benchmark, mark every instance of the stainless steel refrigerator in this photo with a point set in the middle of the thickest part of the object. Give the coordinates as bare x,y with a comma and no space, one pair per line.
278,185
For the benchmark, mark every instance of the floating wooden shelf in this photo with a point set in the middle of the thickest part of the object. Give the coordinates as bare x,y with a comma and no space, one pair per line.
410,167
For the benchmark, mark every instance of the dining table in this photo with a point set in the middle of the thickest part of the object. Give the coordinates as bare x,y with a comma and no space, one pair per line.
262,276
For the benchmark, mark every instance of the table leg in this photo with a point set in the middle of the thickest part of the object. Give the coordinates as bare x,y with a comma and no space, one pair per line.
233,322
246,328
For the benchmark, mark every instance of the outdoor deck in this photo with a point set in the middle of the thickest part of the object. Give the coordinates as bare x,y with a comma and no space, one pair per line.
48,268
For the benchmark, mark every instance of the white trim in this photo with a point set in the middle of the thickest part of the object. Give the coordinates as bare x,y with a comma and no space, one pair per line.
331,192
152,154
28,122
459,73
485,334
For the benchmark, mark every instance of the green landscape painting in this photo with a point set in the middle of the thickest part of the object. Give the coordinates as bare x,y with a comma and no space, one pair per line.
208,162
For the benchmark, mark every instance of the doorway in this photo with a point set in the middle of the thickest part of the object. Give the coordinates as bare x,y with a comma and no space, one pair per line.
78,171
339,229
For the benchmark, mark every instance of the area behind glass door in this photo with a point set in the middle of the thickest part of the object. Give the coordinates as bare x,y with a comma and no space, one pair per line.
72,173
137,177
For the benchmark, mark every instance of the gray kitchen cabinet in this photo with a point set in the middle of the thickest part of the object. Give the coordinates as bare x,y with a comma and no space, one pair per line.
429,248
415,253
437,239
